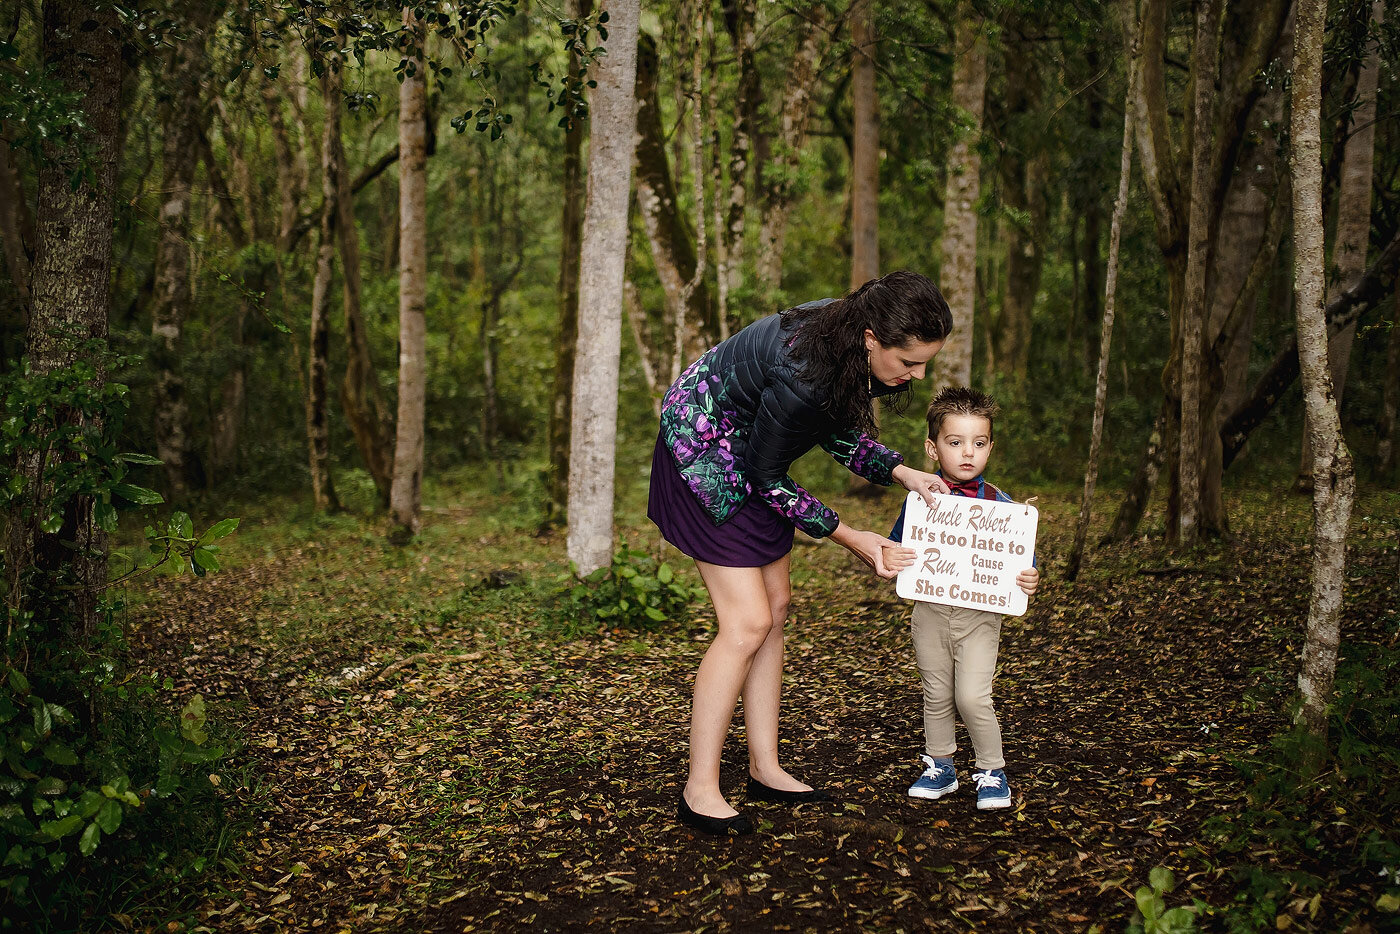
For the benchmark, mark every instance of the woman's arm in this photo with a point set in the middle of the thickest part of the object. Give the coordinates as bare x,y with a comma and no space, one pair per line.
885,557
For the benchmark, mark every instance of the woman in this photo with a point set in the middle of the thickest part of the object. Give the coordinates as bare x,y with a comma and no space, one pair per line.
731,426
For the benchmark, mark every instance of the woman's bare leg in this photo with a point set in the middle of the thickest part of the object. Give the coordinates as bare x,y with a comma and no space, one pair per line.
762,691
745,616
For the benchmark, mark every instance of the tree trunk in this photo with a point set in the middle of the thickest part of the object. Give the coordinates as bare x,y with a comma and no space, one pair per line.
1204,67
739,17
1385,447
318,346
405,498
1352,237
71,277
184,119
1024,184
566,339
360,397
1115,235
865,148
1334,482
16,228
291,183
778,189
668,234
958,274
593,439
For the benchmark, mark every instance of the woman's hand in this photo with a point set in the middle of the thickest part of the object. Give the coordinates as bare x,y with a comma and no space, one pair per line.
917,481
886,558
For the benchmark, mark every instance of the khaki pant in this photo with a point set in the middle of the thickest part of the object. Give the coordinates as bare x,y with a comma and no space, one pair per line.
957,653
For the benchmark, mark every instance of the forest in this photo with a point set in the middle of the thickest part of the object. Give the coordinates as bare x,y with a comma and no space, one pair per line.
333,339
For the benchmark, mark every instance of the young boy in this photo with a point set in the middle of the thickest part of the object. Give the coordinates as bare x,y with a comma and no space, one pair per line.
956,647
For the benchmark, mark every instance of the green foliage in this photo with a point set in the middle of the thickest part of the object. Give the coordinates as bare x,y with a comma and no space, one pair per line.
1153,916
1314,823
634,592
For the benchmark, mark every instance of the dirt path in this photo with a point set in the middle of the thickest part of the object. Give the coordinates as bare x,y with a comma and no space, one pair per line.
495,780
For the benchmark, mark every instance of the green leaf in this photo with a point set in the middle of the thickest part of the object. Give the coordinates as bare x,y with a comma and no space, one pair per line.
141,459
43,720
105,515
57,829
89,804
219,530
192,720
87,843
1388,902
18,681
1147,903
52,785
1161,879
1177,921
664,573
655,614
181,525
51,524
60,714
204,560
59,754
109,818
137,494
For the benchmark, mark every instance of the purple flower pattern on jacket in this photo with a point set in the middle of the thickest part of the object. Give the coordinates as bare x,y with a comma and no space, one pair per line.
699,431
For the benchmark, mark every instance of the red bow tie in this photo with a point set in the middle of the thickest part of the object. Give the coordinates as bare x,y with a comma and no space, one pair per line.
968,488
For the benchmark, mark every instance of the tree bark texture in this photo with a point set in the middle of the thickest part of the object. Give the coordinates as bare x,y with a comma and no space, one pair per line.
1194,310
779,185
360,397
739,18
319,343
71,276
865,148
1352,238
184,118
593,437
1251,35
291,182
958,274
16,227
1390,395
1115,236
1024,186
1334,483
405,498
668,234
566,340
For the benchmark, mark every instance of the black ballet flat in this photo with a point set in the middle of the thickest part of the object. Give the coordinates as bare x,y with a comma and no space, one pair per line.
738,825
761,792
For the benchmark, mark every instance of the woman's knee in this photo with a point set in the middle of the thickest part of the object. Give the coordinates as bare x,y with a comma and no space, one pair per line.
746,632
778,606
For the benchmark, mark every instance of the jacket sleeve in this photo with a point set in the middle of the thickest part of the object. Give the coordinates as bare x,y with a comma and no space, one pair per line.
863,455
782,432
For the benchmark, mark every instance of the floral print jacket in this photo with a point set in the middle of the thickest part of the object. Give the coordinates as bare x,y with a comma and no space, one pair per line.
738,418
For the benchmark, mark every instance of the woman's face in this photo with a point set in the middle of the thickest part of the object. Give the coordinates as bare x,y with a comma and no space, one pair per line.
895,366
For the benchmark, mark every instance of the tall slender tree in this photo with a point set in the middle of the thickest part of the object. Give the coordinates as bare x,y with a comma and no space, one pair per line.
958,273
593,436
319,343
1334,482
406,493
865,147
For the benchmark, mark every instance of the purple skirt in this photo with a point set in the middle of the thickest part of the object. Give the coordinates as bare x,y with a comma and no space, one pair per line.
754,536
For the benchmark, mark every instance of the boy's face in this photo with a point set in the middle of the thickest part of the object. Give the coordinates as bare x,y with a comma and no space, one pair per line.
963,445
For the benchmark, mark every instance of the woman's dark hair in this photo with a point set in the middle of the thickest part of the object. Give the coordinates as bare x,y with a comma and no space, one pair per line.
829,345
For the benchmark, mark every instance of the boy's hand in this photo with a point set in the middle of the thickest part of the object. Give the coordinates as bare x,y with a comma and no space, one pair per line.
916,481
1028,580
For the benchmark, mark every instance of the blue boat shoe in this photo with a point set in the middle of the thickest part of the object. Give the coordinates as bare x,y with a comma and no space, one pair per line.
993,791
939,779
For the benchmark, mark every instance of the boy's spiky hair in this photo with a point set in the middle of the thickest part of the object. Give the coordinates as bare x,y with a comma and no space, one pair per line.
960,400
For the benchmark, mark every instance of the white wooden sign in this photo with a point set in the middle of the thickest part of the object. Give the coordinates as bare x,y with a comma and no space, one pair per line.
968,552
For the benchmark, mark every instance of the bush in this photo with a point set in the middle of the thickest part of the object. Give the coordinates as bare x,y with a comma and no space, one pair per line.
635,592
